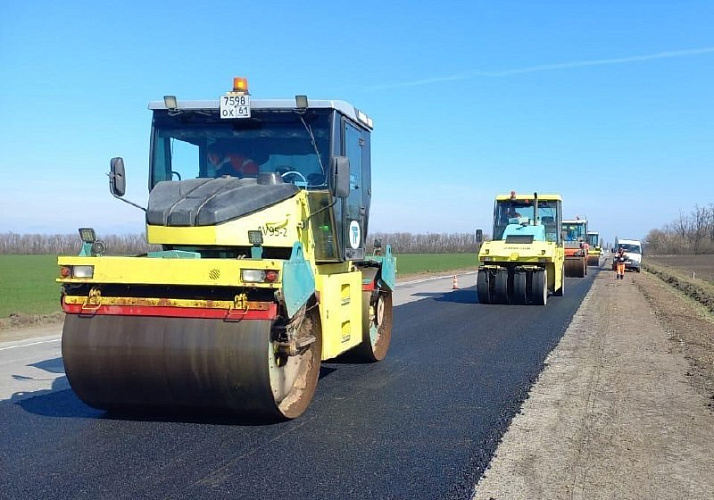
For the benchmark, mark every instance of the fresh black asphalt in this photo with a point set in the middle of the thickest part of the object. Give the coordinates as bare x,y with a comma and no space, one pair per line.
422,424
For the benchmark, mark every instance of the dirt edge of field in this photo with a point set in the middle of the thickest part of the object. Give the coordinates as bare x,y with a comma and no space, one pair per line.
623,408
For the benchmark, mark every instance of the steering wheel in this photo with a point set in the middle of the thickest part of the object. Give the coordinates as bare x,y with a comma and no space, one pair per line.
295,173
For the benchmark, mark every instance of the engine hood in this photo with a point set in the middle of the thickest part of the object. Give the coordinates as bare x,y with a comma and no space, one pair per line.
207,202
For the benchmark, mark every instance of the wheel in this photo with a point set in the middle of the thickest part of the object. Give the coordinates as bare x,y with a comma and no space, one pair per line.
539,287
501,287
376,325
154,363
520,290
483,286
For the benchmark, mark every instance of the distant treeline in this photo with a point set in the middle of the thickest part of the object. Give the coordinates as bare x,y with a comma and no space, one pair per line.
689,234
70,244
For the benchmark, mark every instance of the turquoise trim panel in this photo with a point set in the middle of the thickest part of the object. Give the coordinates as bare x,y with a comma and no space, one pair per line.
174,254
538,232
388,268
86,250
298,280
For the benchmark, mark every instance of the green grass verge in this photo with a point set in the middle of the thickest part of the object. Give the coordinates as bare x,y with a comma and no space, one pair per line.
27,284
427,263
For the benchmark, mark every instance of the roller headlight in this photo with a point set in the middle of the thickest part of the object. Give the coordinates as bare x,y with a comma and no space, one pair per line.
82,271
259,275
252,275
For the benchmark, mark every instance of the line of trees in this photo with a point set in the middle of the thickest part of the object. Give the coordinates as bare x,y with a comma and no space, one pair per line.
131,244
691,233
69,244
426,243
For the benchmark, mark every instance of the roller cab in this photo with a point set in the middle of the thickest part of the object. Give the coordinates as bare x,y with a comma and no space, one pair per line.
259,212
524,261
576,247
594,248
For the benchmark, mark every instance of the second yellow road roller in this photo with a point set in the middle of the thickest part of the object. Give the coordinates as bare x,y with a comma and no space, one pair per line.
524,261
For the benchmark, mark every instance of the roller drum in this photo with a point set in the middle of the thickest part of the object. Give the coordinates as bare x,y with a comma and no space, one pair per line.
139,362
575,268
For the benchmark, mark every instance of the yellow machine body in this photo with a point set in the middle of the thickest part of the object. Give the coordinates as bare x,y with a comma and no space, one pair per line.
262,274
524,261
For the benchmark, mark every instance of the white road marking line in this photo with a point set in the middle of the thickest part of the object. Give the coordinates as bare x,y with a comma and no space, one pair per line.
29,345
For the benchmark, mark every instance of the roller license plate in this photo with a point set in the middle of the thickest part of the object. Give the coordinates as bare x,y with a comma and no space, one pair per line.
234,106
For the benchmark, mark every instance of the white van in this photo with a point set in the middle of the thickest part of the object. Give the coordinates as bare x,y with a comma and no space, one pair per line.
633,252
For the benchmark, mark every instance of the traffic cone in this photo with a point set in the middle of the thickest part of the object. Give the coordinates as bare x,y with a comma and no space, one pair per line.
454,284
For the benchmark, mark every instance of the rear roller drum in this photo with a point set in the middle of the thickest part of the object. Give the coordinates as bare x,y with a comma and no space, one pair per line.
243,367
376,325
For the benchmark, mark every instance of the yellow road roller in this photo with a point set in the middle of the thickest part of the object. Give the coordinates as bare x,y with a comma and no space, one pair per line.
576,247
524,261
258,214
594,250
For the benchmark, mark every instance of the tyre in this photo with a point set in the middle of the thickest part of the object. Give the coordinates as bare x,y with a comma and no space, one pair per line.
483,286
539,287
520,288
501,291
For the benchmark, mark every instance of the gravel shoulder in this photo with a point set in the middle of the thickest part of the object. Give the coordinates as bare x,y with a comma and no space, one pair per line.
623,408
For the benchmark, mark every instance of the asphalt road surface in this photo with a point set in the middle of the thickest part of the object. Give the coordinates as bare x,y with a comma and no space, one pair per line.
422,424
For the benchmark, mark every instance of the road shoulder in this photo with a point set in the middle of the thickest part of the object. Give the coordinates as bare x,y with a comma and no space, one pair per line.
613,414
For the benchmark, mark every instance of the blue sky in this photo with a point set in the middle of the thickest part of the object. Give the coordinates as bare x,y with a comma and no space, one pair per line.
608,103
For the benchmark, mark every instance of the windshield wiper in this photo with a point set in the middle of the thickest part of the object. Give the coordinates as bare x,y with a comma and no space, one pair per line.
314,143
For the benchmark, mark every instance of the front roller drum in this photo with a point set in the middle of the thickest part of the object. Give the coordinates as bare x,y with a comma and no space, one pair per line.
575,268
153,363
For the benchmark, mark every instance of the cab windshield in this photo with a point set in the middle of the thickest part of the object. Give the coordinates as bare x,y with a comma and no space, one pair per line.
192,144
574,231
519,211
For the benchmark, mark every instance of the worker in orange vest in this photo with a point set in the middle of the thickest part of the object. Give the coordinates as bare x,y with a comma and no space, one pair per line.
620,260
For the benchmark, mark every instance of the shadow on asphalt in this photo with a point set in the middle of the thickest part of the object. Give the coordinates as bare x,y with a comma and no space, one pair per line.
59,402
459,296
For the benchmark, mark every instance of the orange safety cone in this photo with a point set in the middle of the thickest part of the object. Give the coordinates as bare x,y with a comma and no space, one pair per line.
454,284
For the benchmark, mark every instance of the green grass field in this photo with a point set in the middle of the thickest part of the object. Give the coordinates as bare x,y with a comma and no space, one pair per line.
429,263
27,282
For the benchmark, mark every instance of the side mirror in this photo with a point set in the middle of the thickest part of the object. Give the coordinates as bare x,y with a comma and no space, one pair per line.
117,180
340,176
479,235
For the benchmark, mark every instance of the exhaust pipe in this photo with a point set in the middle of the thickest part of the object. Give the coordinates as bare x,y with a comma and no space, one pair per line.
535,209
